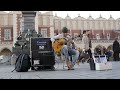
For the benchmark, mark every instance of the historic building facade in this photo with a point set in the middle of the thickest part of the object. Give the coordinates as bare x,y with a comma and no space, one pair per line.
48,25
100,27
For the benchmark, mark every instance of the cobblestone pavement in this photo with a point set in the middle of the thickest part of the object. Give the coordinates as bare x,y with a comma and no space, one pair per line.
81,72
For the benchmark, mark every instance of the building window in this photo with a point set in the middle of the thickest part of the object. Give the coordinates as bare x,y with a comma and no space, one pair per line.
98,25
44,20
93,25
68,25
109,25
101,25
104,24
83,25
74,25
88,25
56,24
7,34
44,32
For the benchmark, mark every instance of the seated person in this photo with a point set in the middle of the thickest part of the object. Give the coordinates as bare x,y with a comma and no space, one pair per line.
84,56
67,50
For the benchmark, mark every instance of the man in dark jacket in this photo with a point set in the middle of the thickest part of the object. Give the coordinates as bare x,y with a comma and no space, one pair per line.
90,46
116,50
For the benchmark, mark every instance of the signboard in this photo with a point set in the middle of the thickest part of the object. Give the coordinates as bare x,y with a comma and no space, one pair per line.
100,59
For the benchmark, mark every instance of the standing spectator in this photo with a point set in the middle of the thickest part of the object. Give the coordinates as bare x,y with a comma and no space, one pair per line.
116,50
86,46
90,46
85,41
88,42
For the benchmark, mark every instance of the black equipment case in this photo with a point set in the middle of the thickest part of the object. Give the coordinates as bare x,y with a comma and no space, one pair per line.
41,53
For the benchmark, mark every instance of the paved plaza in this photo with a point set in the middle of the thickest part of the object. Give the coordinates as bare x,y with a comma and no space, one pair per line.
81,72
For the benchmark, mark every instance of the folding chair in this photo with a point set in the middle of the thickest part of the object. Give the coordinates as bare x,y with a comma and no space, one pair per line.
60,59
64,61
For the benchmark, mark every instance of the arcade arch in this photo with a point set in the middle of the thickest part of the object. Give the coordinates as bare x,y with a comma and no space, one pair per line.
5,52
110,47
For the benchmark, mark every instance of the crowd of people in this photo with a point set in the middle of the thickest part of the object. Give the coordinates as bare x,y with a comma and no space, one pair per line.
71,49
86,53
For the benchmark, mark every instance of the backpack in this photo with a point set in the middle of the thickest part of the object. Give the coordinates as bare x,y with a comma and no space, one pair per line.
22,63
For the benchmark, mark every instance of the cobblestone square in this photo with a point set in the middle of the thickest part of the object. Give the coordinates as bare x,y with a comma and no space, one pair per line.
81,72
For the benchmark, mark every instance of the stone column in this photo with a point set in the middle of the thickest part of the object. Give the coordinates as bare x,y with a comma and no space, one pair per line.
14,27
51,25
36,22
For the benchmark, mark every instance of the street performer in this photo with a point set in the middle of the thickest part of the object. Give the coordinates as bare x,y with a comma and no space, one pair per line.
68,48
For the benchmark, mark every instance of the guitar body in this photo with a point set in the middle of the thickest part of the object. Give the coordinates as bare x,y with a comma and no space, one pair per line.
57,46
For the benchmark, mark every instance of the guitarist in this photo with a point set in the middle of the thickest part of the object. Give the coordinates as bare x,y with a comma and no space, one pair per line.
67,49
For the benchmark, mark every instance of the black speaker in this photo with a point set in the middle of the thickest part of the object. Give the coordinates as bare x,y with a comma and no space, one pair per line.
41,44
45,59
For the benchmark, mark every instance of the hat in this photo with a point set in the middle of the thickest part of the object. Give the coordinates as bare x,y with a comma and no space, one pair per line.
65,30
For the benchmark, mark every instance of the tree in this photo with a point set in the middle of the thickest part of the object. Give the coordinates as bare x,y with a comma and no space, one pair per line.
65,30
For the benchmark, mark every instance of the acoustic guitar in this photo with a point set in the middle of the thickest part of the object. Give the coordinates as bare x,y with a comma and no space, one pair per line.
58,44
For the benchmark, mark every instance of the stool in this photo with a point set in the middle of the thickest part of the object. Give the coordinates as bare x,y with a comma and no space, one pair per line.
62,60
